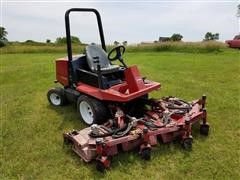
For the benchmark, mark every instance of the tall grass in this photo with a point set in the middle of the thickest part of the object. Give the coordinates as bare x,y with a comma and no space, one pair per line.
191,47
47,48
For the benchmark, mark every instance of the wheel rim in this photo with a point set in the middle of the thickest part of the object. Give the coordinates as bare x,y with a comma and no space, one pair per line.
86,112
55,99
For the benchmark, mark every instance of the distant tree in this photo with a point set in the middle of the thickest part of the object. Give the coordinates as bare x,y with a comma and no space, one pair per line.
238,10
63,40
60,40
176,37
116,43
48,41
209,36
30,41
124,43
3,36
75,39
238,16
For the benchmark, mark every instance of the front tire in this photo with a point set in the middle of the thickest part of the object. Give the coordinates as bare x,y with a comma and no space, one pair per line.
92,111
146,154
187,143
56,97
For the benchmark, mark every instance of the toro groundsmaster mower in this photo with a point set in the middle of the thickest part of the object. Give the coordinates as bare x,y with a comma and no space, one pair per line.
113,100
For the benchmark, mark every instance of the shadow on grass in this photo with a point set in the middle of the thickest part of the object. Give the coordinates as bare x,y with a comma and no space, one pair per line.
70,116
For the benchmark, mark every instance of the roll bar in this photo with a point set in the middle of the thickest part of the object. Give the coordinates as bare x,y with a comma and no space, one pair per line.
68,34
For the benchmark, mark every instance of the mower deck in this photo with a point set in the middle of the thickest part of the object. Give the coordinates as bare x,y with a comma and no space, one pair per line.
163,120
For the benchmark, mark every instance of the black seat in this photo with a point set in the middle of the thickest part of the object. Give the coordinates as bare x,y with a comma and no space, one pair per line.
93,51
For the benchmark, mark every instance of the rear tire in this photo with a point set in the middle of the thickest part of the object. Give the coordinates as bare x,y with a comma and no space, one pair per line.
56,97
92,111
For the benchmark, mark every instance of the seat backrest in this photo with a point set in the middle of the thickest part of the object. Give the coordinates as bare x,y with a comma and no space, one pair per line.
95,51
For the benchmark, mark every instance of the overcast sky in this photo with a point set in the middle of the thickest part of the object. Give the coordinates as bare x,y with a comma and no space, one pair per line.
131,21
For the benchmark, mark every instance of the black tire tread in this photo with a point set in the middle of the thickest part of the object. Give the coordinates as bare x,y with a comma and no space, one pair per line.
204,129
98,107
187,144
61,94
146,154
100,167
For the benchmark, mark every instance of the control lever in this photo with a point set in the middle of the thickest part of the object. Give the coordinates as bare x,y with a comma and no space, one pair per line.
99,72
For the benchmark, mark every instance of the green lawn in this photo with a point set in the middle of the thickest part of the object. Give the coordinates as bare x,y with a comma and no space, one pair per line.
31,137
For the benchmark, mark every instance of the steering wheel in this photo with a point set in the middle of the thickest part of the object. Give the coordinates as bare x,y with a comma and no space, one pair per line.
118,51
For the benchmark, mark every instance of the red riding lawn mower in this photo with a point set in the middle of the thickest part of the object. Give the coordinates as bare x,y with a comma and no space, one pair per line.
113,100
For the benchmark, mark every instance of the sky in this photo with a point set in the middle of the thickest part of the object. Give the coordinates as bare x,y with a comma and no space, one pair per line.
131,21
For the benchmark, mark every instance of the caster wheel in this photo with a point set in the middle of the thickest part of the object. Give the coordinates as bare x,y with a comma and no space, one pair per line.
100,166
66,141
56,97
187,143
146,154
204,129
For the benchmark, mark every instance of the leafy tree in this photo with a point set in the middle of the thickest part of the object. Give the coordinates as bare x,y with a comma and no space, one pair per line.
209,36
238,16
48,41
3,36
75,39
176,37
124,43
238,11
30,41
60,40
63,40
116,43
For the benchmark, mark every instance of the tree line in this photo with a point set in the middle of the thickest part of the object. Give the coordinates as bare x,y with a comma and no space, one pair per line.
209,36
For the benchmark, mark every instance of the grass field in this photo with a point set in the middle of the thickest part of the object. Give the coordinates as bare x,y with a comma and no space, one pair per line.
31,137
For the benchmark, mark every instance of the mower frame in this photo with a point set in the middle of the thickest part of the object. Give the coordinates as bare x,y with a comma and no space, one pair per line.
68,36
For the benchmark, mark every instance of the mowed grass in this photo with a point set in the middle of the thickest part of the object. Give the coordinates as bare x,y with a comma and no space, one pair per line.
31,129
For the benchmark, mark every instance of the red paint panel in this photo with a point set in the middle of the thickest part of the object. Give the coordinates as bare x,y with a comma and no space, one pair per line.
134,79
112,94
62,71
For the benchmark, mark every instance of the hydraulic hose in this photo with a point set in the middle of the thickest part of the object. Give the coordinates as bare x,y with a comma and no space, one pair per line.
100,135
123,133
109,132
